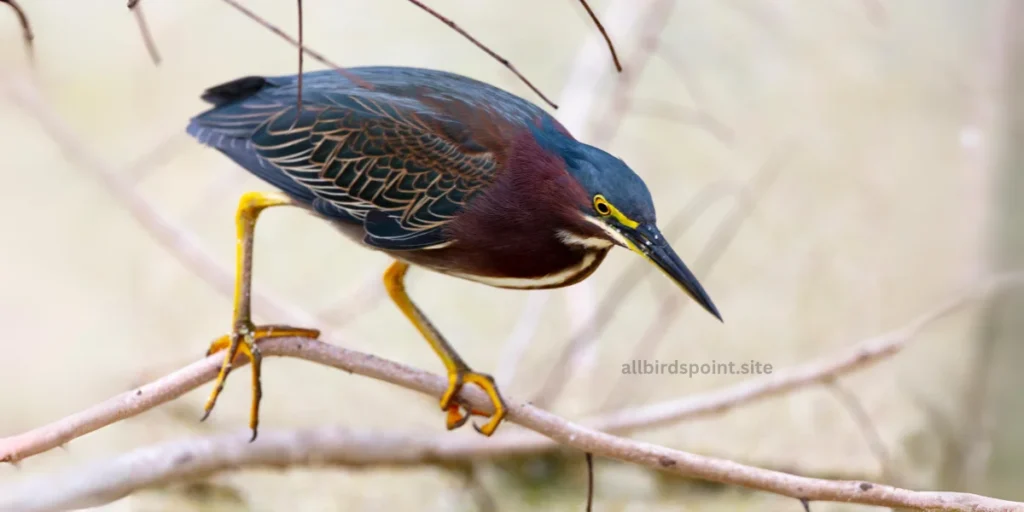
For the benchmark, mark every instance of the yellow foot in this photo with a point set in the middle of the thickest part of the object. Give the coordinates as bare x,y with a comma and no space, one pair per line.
455,417
242,342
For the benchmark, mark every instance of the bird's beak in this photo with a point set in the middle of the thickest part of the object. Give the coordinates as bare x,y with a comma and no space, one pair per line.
648,242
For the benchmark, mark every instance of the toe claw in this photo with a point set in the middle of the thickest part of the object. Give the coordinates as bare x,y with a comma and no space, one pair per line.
455,418
241,343
488,428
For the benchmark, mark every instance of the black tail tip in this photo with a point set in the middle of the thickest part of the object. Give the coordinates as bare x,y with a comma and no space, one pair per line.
237,89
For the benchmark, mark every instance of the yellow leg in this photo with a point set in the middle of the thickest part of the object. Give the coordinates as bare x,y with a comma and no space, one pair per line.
458,372
243,337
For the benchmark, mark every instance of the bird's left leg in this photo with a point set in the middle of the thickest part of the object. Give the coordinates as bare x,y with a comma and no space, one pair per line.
458,372
243,337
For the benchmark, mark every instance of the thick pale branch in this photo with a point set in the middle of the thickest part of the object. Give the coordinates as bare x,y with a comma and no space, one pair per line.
329,446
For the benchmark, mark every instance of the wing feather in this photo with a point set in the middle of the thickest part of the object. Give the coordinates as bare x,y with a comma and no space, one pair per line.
401,163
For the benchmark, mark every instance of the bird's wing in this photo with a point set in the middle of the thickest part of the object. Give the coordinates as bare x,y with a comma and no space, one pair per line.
401,166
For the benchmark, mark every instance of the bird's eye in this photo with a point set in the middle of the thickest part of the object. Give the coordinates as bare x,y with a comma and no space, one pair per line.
601,205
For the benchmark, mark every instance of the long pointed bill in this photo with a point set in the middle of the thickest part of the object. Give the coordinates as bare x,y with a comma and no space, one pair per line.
648,242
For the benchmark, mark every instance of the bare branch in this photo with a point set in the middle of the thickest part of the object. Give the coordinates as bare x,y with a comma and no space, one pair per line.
147,36
607,38
654,21
519,339
355,303
26,29
140,168
590,482
867,427
474,485
660,109
451,24
294,42
189,458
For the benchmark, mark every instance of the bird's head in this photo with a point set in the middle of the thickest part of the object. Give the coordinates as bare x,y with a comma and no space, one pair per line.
620,204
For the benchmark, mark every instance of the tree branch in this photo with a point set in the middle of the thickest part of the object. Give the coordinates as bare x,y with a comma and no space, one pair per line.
604,34
135,470
452,25
26,29
147,36
294,42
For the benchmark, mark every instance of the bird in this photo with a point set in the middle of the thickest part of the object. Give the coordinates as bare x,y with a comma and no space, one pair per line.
438,171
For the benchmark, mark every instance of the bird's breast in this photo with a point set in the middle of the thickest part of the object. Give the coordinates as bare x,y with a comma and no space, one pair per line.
542,277
524,267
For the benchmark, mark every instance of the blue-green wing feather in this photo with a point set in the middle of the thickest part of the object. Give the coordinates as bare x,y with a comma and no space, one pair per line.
402,159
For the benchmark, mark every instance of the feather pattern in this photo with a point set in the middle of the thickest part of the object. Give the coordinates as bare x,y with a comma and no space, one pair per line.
402,159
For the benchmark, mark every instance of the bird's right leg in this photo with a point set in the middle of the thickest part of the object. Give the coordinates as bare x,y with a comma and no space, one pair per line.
243,337
458,372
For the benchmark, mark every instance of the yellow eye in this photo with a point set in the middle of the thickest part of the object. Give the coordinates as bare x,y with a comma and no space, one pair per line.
601,205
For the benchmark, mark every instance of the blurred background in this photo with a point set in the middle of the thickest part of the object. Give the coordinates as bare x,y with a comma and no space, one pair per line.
830,170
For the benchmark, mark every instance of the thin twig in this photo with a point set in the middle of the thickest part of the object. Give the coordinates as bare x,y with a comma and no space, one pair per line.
26,29
654,22
590,481
482,498
122,476
607,39
294,42
141,166
356,303
519,339
677,63
451,24
867,427
147,36
660,109
298,93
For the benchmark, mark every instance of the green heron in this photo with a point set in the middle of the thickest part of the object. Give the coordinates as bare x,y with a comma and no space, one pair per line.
435,170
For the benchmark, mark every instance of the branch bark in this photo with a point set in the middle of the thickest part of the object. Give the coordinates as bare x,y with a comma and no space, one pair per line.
339,447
